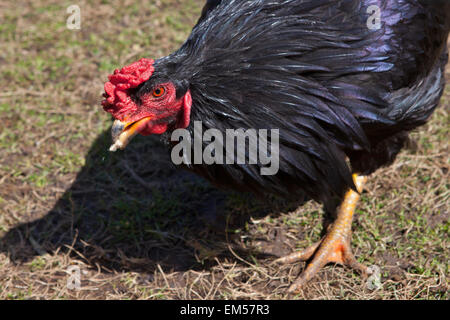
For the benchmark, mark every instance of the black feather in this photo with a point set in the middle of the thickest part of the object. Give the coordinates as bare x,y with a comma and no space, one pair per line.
314,70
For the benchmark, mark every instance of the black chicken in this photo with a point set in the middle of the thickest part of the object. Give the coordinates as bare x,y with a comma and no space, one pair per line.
342,80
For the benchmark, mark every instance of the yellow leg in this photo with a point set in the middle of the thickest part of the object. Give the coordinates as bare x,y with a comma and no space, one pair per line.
335,246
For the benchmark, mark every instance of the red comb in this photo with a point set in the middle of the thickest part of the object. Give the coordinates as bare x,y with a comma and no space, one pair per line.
118,101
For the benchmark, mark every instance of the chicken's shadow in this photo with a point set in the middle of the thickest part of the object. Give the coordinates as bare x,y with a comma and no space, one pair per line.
133,210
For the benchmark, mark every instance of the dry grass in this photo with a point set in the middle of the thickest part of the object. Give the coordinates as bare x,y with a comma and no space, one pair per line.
138,228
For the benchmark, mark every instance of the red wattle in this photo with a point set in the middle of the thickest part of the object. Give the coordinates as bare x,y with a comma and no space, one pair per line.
159,128
186,117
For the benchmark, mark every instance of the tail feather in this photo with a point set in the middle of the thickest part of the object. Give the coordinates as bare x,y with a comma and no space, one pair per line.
412,106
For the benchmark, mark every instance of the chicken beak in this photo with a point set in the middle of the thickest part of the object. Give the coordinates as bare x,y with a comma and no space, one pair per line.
122,132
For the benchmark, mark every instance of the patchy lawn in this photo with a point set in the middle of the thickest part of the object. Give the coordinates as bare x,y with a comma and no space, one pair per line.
139,229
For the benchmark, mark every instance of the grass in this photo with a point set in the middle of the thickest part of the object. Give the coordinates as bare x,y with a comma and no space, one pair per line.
138,228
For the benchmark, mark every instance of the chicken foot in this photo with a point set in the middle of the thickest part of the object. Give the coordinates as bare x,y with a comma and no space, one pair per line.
335,246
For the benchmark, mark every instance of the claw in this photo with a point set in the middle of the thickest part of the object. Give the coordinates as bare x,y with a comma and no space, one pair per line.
335,246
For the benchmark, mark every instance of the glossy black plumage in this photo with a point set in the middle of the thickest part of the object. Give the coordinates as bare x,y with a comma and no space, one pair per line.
313,69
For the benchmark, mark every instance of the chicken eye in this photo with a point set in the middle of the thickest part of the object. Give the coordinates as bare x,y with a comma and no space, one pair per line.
158,92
